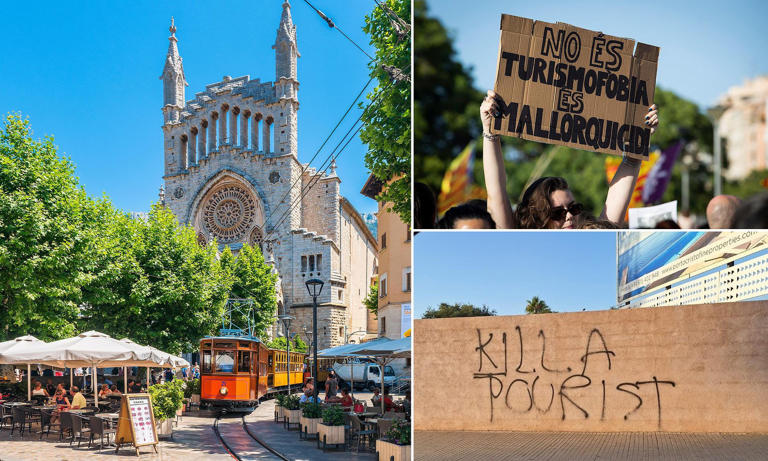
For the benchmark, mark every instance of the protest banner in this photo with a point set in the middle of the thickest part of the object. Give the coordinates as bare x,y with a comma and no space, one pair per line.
564,85
648,217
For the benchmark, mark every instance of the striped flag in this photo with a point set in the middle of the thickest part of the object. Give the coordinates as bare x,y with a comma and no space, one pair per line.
612,164
458,184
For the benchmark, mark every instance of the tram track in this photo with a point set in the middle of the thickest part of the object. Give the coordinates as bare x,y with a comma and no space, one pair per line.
235,451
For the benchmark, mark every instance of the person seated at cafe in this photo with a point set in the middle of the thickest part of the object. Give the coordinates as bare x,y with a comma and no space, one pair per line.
376,399
346,400
309,386
307,396
388,403
50,388
136,388
38,390
62,404
104,392
114,390
78,400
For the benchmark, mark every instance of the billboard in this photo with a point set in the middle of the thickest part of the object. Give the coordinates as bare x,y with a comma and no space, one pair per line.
650,260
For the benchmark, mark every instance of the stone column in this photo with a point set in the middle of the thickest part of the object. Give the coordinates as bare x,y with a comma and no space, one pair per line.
233,126
212,133
193,147
265,137
244,129
201,139
255,133
223,127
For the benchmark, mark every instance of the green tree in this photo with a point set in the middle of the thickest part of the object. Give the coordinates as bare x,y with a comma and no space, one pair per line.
158,286
252,278
536,305
49,230
387,121
755,183
297,345
446,310
371,301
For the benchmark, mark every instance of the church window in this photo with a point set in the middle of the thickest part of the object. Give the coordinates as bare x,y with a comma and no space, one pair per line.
341,295
383,240
303,263
311,263
319,259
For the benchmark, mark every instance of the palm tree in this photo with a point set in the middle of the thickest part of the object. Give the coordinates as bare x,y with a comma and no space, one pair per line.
537,306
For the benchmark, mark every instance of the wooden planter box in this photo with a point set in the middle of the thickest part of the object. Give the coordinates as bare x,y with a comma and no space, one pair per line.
329,435
195,399
164,428
292,417
388,451
279,413
308,426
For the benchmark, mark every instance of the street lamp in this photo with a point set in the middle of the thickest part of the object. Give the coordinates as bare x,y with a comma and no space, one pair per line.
286,319
314,287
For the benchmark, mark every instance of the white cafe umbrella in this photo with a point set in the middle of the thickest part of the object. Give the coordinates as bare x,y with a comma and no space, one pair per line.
19,344
383,353
156,357
89,349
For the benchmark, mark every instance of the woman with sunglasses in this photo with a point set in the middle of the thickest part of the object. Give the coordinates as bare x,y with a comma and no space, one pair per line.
548,203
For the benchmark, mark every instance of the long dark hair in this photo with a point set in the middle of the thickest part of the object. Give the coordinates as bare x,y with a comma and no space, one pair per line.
533,211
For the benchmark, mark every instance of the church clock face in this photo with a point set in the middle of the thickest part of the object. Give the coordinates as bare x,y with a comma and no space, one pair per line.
229,213
178,192
274,177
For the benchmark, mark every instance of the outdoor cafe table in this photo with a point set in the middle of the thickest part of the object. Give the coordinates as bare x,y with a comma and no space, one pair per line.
109,417
365,414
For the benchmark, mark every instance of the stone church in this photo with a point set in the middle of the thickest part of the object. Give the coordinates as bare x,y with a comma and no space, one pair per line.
232,171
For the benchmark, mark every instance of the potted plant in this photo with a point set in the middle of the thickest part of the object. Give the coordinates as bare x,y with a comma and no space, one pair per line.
396,443
167,400
331,430
292,411
279,407
311,414
192,391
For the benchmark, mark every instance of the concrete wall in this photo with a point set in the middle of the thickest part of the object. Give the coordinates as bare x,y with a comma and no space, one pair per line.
701,368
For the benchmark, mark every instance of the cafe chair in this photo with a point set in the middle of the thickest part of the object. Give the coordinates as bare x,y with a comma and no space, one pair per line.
99,428
356,431
384,426
79,430
65,424
45,423
6,416
39,399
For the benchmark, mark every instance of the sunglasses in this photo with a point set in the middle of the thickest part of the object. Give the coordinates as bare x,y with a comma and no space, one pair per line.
559,213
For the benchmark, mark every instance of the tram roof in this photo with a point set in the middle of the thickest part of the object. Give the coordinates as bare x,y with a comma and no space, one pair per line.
232,337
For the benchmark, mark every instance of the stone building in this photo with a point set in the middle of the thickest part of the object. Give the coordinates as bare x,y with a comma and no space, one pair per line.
743,127
232,171
394,270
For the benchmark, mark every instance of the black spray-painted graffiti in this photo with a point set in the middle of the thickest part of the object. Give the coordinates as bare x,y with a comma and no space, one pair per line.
522,395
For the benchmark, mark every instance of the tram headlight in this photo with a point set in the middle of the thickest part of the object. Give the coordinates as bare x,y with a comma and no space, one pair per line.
223,390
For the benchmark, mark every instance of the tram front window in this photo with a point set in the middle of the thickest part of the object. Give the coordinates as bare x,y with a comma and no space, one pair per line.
206,361
243,362
225,362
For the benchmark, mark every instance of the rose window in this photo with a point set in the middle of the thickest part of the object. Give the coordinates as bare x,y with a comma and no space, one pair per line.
228,213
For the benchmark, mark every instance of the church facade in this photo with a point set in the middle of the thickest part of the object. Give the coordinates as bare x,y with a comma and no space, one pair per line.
231,170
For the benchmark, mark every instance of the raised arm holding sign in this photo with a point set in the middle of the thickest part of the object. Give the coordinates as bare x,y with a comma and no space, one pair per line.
563,85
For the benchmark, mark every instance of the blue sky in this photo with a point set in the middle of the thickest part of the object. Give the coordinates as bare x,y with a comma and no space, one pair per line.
706,46
569,270
87,73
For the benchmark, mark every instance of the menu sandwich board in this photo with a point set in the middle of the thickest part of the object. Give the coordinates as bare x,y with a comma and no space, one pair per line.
564,85
136,425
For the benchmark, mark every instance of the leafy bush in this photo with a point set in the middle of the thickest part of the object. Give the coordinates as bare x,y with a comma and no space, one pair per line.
312,410
18,390
333,416
280,398
291,402
192,387
167,399
400,432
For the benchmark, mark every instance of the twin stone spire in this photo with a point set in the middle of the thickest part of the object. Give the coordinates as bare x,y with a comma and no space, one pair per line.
286,52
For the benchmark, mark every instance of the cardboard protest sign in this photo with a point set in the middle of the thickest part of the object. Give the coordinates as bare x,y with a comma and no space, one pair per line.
574,87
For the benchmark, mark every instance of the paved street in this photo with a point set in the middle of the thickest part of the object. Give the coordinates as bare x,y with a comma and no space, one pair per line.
576,446
193,439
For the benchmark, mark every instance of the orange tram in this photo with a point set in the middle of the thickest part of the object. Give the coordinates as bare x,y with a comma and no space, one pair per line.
238,371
